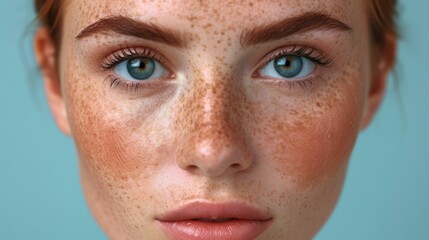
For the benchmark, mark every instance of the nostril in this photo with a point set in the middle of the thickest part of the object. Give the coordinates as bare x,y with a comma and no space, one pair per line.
192,168
236,165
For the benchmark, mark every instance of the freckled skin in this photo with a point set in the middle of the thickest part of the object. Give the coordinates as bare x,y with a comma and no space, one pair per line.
214,132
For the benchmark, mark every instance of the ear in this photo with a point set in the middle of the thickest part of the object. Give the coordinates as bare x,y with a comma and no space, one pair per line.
383,61
45,51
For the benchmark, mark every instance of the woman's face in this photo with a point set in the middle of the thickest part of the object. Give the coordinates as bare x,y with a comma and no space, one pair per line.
214,119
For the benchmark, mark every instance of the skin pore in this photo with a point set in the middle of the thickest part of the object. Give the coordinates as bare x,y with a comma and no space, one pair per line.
213,126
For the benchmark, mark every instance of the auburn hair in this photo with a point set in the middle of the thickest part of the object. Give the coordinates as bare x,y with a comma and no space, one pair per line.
382,18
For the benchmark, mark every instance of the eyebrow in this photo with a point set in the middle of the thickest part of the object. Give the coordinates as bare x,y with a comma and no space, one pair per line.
303,23
278,30
130,27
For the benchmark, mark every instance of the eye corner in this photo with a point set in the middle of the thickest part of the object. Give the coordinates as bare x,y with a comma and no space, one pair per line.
257,72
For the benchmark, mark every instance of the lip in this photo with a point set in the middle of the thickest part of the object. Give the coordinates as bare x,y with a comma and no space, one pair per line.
207,221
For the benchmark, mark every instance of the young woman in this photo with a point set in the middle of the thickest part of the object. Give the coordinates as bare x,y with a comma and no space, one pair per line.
214,119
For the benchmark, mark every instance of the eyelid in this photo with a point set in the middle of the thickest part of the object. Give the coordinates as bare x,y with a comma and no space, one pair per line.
127,53
311,53
109,63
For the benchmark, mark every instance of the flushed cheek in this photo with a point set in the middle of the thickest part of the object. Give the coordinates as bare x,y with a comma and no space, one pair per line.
115,137
316,151
123,151
119,158
308,141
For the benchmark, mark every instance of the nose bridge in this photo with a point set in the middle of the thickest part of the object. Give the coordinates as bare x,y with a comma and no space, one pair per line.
214,118
212,132
213,144
211,102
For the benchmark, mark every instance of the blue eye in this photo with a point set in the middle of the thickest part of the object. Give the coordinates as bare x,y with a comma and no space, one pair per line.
140,68
288,67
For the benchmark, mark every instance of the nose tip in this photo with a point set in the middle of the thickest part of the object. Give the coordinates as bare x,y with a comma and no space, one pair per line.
214,158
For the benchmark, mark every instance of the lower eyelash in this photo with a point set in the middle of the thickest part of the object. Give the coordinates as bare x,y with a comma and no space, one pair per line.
125,54
289,84
298,51
128,53
127,85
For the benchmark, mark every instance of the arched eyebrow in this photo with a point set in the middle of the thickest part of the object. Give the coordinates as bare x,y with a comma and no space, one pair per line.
130,27
289,26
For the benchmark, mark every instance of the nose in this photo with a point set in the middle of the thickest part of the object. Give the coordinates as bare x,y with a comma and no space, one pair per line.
213,142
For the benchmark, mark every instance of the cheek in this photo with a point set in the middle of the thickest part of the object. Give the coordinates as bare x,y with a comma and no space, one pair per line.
308,140
115,139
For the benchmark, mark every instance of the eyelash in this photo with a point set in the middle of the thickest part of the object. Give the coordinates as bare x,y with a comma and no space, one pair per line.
125,54
129,52
299,51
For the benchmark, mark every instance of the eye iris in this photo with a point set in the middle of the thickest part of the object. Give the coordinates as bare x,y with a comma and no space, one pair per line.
141,68
288,66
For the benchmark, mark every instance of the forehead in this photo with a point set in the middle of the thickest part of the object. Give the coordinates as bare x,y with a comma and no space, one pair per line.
211,15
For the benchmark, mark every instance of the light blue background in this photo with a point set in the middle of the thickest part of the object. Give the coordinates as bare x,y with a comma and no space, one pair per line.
386,194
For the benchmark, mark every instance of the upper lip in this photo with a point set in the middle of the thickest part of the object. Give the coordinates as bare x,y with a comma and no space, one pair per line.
207,210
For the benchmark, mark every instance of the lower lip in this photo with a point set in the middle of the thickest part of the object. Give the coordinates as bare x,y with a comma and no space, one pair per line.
229,230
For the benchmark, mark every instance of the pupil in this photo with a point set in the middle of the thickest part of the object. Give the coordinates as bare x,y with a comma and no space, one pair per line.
138,64
141,68
288,66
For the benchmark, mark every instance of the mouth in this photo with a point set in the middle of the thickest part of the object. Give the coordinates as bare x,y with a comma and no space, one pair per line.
210,221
